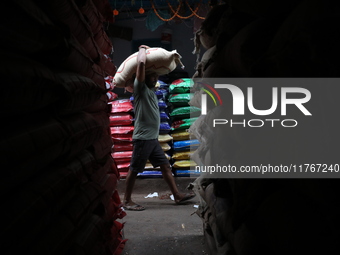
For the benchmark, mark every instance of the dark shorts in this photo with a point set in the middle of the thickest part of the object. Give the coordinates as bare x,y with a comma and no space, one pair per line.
144,150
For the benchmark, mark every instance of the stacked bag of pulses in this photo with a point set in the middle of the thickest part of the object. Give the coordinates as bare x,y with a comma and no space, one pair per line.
121,127
183,116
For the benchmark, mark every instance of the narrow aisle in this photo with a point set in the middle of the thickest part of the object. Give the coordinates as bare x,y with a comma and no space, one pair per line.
163,228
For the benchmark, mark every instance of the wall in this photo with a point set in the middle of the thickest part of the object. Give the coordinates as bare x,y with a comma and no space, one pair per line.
182,40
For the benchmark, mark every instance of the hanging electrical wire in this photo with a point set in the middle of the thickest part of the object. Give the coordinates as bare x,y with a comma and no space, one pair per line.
177,15
175,12
195,12
159,16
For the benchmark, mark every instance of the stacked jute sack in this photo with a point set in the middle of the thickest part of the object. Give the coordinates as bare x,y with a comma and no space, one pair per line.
59,184
266,216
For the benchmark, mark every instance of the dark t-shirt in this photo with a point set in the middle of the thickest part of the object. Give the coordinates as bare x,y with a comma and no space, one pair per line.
147,118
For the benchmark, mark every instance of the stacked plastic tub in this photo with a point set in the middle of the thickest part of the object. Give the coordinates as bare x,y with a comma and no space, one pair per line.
59,185
183,116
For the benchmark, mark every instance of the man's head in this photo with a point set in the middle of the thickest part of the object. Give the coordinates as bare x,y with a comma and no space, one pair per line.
151,80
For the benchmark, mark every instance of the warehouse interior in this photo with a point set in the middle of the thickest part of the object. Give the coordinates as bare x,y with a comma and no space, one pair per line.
63,179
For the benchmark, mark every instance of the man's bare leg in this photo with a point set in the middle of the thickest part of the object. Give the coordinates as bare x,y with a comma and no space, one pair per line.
130,183
167,175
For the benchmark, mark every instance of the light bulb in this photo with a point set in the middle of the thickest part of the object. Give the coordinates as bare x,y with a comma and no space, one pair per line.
141,10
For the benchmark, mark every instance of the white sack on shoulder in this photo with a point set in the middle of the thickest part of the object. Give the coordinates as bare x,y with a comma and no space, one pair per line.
158,60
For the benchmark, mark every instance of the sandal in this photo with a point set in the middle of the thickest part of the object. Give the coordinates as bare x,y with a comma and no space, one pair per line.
134,207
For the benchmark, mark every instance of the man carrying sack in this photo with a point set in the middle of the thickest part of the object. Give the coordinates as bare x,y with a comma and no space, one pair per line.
145,135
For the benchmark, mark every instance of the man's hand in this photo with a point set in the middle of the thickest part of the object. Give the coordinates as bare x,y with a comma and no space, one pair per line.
141,59
144,46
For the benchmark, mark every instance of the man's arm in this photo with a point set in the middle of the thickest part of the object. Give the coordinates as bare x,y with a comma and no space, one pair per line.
141,59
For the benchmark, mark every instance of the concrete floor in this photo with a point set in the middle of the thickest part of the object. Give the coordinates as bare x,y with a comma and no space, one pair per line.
163,228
